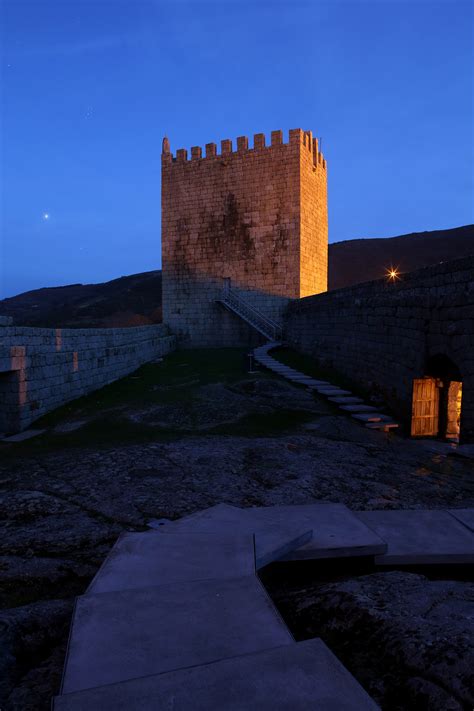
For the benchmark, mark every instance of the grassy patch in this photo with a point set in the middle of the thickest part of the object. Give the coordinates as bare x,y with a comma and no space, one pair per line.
173,380
176,379
266,425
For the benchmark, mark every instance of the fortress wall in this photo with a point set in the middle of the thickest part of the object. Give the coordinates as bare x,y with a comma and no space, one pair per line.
380,334
234,215
43,368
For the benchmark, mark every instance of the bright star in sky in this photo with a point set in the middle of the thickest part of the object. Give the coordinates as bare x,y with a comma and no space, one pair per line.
45,215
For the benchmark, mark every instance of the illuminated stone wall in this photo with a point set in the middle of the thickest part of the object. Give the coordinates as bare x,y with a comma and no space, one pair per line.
257,216
380,335
42,368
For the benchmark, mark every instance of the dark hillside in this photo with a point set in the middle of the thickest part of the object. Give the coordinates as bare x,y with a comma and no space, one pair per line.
136,299
359,260
128,301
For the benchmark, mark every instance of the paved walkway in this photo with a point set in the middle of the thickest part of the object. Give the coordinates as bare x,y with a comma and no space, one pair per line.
177,617
344,399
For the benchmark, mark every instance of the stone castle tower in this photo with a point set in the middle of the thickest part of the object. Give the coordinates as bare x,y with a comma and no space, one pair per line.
254,218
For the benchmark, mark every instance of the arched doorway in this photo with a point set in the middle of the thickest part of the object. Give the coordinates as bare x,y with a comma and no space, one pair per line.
437,400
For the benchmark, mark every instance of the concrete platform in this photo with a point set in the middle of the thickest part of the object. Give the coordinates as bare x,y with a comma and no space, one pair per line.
420,537
140,560
295,677
273,538
465,516
122,635
337,532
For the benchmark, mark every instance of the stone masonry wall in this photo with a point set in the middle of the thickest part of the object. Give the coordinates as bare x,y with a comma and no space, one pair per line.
42,368
381,335
239,216
314,219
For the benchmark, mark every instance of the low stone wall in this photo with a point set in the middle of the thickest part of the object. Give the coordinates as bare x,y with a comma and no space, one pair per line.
381,335
42,368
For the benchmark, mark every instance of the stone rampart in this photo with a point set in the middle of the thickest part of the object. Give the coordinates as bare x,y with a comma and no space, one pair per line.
42,368
381,334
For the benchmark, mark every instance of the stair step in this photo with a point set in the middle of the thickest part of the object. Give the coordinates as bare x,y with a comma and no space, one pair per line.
346,400
358,408
385,426
303,379
332,391
374,417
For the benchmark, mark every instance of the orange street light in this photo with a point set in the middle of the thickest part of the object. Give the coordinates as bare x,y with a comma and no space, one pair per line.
392,274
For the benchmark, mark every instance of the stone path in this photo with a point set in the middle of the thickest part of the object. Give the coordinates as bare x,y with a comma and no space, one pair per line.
301,676
336,531
423,537
344,399
177,617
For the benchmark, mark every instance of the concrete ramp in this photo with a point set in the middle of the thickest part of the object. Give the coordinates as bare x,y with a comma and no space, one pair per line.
295,677
275,536
122,635
140,560
177,617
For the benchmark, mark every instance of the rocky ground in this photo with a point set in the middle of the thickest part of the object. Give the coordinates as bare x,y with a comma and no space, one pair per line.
178,440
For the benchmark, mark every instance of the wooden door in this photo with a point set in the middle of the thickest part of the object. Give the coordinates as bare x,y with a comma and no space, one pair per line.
425,408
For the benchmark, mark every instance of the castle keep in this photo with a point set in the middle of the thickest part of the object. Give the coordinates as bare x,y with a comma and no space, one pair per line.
254,219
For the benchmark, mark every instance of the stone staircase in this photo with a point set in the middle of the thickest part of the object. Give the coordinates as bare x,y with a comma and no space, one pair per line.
344,399
233,301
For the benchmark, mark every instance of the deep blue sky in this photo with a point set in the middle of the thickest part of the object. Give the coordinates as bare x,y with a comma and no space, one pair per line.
90,88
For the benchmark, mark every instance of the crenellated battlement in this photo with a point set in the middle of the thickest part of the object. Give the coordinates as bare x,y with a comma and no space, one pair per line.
296,136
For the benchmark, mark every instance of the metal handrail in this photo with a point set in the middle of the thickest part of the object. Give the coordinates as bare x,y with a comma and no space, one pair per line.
249,307
270,328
